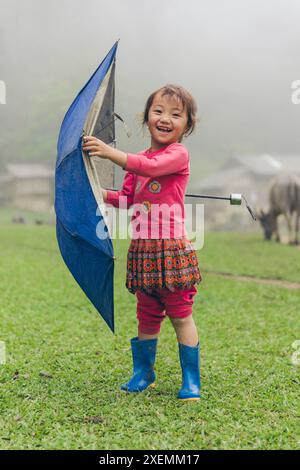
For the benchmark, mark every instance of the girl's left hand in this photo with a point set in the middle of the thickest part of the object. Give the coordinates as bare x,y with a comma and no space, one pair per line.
95,147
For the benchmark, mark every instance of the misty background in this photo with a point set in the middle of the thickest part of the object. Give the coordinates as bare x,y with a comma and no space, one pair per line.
238,59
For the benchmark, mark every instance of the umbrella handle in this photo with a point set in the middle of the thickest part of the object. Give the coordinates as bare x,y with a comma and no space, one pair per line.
235,199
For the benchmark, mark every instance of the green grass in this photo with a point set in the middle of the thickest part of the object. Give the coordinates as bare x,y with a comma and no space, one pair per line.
250,394
250,255
30,217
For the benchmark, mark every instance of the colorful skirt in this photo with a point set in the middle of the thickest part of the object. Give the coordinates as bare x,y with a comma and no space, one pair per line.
169,263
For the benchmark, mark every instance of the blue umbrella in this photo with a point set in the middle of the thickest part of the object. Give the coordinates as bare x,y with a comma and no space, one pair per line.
81,224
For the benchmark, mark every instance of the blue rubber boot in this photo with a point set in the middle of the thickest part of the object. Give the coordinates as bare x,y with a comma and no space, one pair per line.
143,357
190,366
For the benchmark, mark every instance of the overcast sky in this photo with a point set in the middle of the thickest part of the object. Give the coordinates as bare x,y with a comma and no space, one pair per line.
238,58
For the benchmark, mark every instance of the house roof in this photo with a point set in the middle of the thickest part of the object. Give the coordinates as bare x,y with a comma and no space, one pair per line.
221,178
270,165
241,166
29,170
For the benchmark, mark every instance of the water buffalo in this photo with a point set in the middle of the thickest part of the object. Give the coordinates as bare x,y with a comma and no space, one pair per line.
284,199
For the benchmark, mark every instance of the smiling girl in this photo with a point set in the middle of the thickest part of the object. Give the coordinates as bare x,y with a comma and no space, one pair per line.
162,265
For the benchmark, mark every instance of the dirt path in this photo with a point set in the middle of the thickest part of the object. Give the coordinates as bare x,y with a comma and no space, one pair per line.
270,282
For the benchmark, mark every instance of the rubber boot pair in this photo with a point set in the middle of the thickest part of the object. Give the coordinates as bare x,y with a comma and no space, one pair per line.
143,356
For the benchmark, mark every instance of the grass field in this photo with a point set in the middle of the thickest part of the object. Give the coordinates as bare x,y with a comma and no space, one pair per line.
59,388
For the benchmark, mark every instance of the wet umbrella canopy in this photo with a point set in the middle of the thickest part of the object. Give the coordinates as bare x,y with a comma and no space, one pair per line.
82,227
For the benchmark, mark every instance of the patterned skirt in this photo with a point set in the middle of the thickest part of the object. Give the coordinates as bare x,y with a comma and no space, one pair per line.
169,263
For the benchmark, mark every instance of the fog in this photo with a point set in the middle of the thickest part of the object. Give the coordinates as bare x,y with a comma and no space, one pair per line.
238,59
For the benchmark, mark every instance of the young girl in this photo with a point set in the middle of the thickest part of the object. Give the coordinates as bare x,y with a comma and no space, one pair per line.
162,266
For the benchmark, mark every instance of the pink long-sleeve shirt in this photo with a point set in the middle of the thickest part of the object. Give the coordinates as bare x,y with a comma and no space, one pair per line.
154,187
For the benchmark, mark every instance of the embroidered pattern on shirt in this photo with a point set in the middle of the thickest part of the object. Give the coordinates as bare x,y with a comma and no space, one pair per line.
146,206
154,187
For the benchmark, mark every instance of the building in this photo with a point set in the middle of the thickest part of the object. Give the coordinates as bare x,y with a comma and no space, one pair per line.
27,186
248,175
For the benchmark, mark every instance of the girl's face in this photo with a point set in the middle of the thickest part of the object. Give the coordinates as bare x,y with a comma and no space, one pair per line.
167,121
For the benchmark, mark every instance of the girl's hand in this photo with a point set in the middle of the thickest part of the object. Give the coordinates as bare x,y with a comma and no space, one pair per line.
95,147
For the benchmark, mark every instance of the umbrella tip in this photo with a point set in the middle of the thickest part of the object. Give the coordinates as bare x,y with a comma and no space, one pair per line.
249,208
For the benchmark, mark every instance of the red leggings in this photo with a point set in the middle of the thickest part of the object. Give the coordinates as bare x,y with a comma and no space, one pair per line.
152,309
